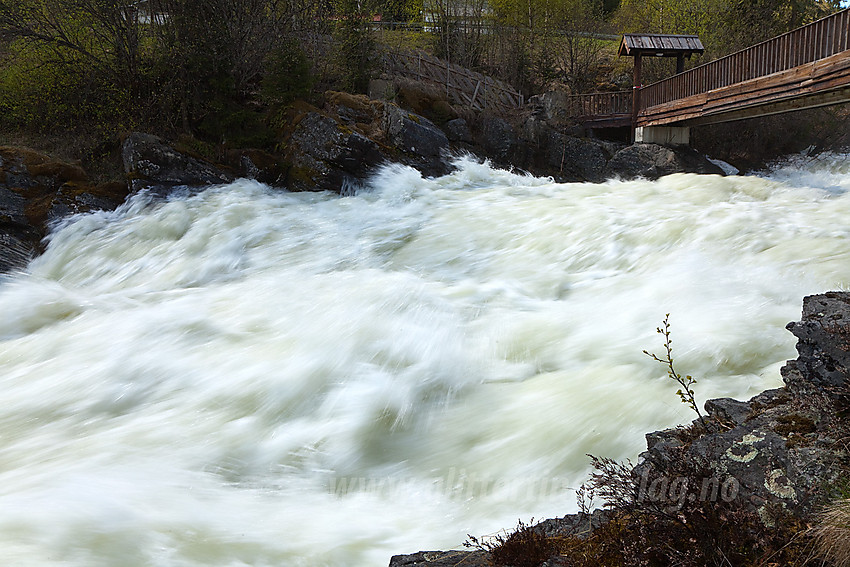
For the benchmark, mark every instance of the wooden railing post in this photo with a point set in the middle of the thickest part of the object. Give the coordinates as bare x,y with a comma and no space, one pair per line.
636,85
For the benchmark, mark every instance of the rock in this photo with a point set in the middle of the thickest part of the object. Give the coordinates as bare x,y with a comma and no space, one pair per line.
728,411
579,525
457,130
37,191
353,109
150,162
419,143
12,207
325,155
413,133
497,138
257,164
441,559
552,107
576,158
652,161
823,345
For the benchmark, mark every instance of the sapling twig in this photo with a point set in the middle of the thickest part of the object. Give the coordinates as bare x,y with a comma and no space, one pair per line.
686,393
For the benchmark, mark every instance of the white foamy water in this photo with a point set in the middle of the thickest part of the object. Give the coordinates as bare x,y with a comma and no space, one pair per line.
249,377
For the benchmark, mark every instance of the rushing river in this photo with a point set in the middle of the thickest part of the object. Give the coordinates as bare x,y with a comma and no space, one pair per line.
243,376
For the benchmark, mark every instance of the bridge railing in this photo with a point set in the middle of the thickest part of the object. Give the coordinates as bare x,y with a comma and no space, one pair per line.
600,104
817,40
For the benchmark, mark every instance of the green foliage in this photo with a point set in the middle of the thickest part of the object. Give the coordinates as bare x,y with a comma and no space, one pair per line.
685,392
355,46
235,126
400,10
40,93
288,77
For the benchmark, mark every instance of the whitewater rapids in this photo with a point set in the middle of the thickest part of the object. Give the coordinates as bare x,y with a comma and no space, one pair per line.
243,376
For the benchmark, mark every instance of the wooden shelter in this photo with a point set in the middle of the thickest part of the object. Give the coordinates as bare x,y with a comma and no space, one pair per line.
639,45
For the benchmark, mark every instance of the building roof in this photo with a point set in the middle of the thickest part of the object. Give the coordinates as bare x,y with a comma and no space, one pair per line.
659,45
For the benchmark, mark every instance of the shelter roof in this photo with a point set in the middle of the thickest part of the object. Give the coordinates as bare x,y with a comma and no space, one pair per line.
660,45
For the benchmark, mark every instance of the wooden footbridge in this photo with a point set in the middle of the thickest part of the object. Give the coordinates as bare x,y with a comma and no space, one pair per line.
805,68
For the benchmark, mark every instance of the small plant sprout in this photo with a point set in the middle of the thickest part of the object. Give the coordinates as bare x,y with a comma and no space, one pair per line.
686,392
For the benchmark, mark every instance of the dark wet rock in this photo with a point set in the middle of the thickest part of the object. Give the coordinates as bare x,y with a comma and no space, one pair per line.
150,162
823,345
497,138
36,191
417,141
413,133
325,155
728,411
652,161
259,165
578,525
576,158
457,130
12,207
441,559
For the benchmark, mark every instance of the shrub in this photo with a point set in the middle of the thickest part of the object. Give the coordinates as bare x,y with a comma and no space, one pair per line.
526,546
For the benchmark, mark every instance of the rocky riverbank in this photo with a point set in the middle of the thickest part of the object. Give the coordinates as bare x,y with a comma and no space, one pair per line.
333,148
741,486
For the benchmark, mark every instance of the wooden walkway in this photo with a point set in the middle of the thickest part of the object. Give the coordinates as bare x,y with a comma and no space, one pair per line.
804,68
602,110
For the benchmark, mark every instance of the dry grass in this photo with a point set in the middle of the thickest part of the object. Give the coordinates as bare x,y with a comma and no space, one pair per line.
832,533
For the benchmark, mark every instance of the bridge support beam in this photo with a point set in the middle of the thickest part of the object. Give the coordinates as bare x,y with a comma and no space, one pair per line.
664,135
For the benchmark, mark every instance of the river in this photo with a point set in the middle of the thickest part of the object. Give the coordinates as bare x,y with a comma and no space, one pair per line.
244,376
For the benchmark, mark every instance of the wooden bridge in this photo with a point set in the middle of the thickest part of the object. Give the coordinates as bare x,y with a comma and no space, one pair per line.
805,68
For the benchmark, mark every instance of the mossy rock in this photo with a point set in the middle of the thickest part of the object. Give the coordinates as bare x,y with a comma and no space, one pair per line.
60,171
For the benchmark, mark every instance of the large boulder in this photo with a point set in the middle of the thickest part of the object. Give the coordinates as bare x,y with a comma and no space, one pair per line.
575,159
413,133
498,139
652,161
823,346
36,191
326,155
419,143
457,130
150,162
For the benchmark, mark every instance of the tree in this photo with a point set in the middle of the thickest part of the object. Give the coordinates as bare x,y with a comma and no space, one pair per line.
459,28
103,33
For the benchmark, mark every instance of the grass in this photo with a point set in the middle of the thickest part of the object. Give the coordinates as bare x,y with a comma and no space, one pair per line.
832,533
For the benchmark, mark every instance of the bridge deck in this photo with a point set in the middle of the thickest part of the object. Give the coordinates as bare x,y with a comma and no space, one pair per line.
819,83
804,68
